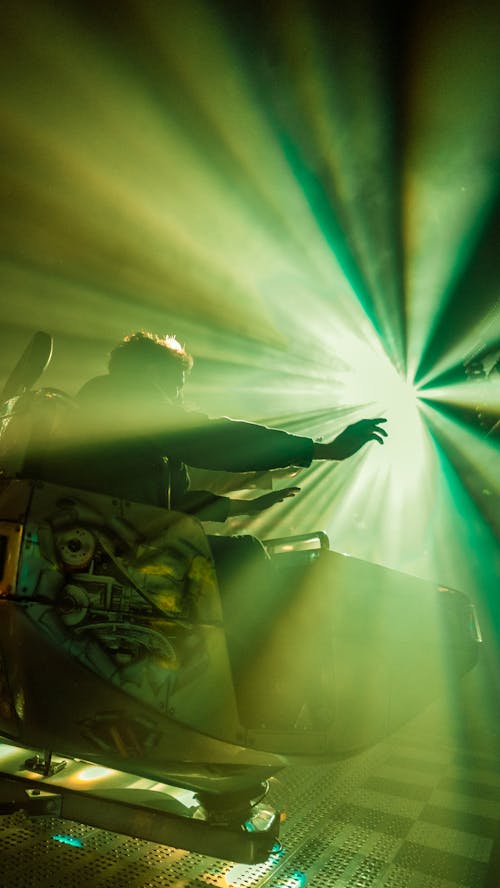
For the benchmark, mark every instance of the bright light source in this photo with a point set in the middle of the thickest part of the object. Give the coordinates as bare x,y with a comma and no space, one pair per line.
373,381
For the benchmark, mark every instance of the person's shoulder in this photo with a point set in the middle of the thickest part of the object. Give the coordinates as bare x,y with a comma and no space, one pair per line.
98,387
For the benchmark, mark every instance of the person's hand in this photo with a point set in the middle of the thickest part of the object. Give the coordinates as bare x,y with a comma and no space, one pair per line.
259,503
352,439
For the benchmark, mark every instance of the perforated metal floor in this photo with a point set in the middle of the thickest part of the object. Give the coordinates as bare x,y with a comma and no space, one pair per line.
418,811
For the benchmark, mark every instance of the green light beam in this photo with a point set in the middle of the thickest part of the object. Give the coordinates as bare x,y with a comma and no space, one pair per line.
450,180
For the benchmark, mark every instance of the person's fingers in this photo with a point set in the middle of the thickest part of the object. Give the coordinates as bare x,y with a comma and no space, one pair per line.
277,496
375,437
371,426
290,491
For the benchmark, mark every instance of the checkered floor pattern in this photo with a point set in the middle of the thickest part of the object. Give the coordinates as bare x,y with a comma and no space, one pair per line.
416,811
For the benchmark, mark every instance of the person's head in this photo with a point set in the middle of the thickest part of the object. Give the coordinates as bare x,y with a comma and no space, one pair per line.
145,356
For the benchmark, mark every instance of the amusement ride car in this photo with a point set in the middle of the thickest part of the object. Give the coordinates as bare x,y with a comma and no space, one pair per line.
119,705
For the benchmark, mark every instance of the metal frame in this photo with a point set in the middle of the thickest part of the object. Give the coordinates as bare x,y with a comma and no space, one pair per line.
122,808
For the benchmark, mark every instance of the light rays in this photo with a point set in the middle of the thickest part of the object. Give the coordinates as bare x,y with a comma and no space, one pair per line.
160,174
159,177
451,169
146,211
483,395
477,453
481,334
348,143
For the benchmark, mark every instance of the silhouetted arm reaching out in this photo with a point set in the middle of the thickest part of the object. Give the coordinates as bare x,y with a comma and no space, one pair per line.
259,503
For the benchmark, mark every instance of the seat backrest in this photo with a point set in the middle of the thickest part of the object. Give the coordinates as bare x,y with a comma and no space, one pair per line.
30,427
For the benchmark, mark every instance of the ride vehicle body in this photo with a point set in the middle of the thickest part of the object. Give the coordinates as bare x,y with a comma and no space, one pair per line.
115,649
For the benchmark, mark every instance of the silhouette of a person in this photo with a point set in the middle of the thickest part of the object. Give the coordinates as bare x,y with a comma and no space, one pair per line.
136,437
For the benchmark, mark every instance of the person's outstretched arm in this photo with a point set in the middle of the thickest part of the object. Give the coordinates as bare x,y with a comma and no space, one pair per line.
240,446
260,503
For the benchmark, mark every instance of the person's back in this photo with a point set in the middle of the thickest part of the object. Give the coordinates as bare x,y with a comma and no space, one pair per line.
112,449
